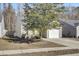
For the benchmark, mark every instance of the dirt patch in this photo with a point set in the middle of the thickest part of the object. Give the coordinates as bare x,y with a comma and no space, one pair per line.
5,45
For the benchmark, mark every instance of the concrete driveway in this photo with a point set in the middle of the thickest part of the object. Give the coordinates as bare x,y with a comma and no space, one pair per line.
70,42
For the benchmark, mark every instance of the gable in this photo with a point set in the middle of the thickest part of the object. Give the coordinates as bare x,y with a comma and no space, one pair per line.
73,23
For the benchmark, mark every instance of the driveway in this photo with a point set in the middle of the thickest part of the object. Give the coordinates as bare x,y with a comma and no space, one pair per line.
65,41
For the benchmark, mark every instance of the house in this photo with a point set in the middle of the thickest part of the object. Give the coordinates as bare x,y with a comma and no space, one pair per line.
19,30
12,26
69,27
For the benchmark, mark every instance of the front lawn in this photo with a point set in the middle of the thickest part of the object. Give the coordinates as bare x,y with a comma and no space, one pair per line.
6,45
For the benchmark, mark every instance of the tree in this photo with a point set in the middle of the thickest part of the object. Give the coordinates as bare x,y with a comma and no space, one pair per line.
9,18
0,13
39,16
27,20
76,12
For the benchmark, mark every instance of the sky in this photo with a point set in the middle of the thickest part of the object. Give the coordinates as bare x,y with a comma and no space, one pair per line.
71,4
15,5
65,4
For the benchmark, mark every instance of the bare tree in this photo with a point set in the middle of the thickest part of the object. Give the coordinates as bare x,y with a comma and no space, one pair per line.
9,17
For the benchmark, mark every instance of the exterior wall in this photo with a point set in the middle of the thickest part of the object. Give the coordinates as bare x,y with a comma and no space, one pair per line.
19,28
77,31
2,29
68,31
54,33
68,27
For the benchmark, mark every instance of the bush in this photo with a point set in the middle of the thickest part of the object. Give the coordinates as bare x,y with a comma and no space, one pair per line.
37,37
54,24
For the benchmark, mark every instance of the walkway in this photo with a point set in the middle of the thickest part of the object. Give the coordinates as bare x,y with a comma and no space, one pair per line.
9,52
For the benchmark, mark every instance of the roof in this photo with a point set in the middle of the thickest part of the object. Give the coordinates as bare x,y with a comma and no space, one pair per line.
70,22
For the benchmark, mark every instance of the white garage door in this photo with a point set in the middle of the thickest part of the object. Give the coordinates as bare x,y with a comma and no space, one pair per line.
54,33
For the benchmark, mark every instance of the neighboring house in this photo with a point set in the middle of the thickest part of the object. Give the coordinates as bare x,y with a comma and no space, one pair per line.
69,27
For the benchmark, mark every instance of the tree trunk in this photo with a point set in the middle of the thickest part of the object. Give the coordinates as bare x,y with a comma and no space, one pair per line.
27,33
40,34
41,30
33,32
